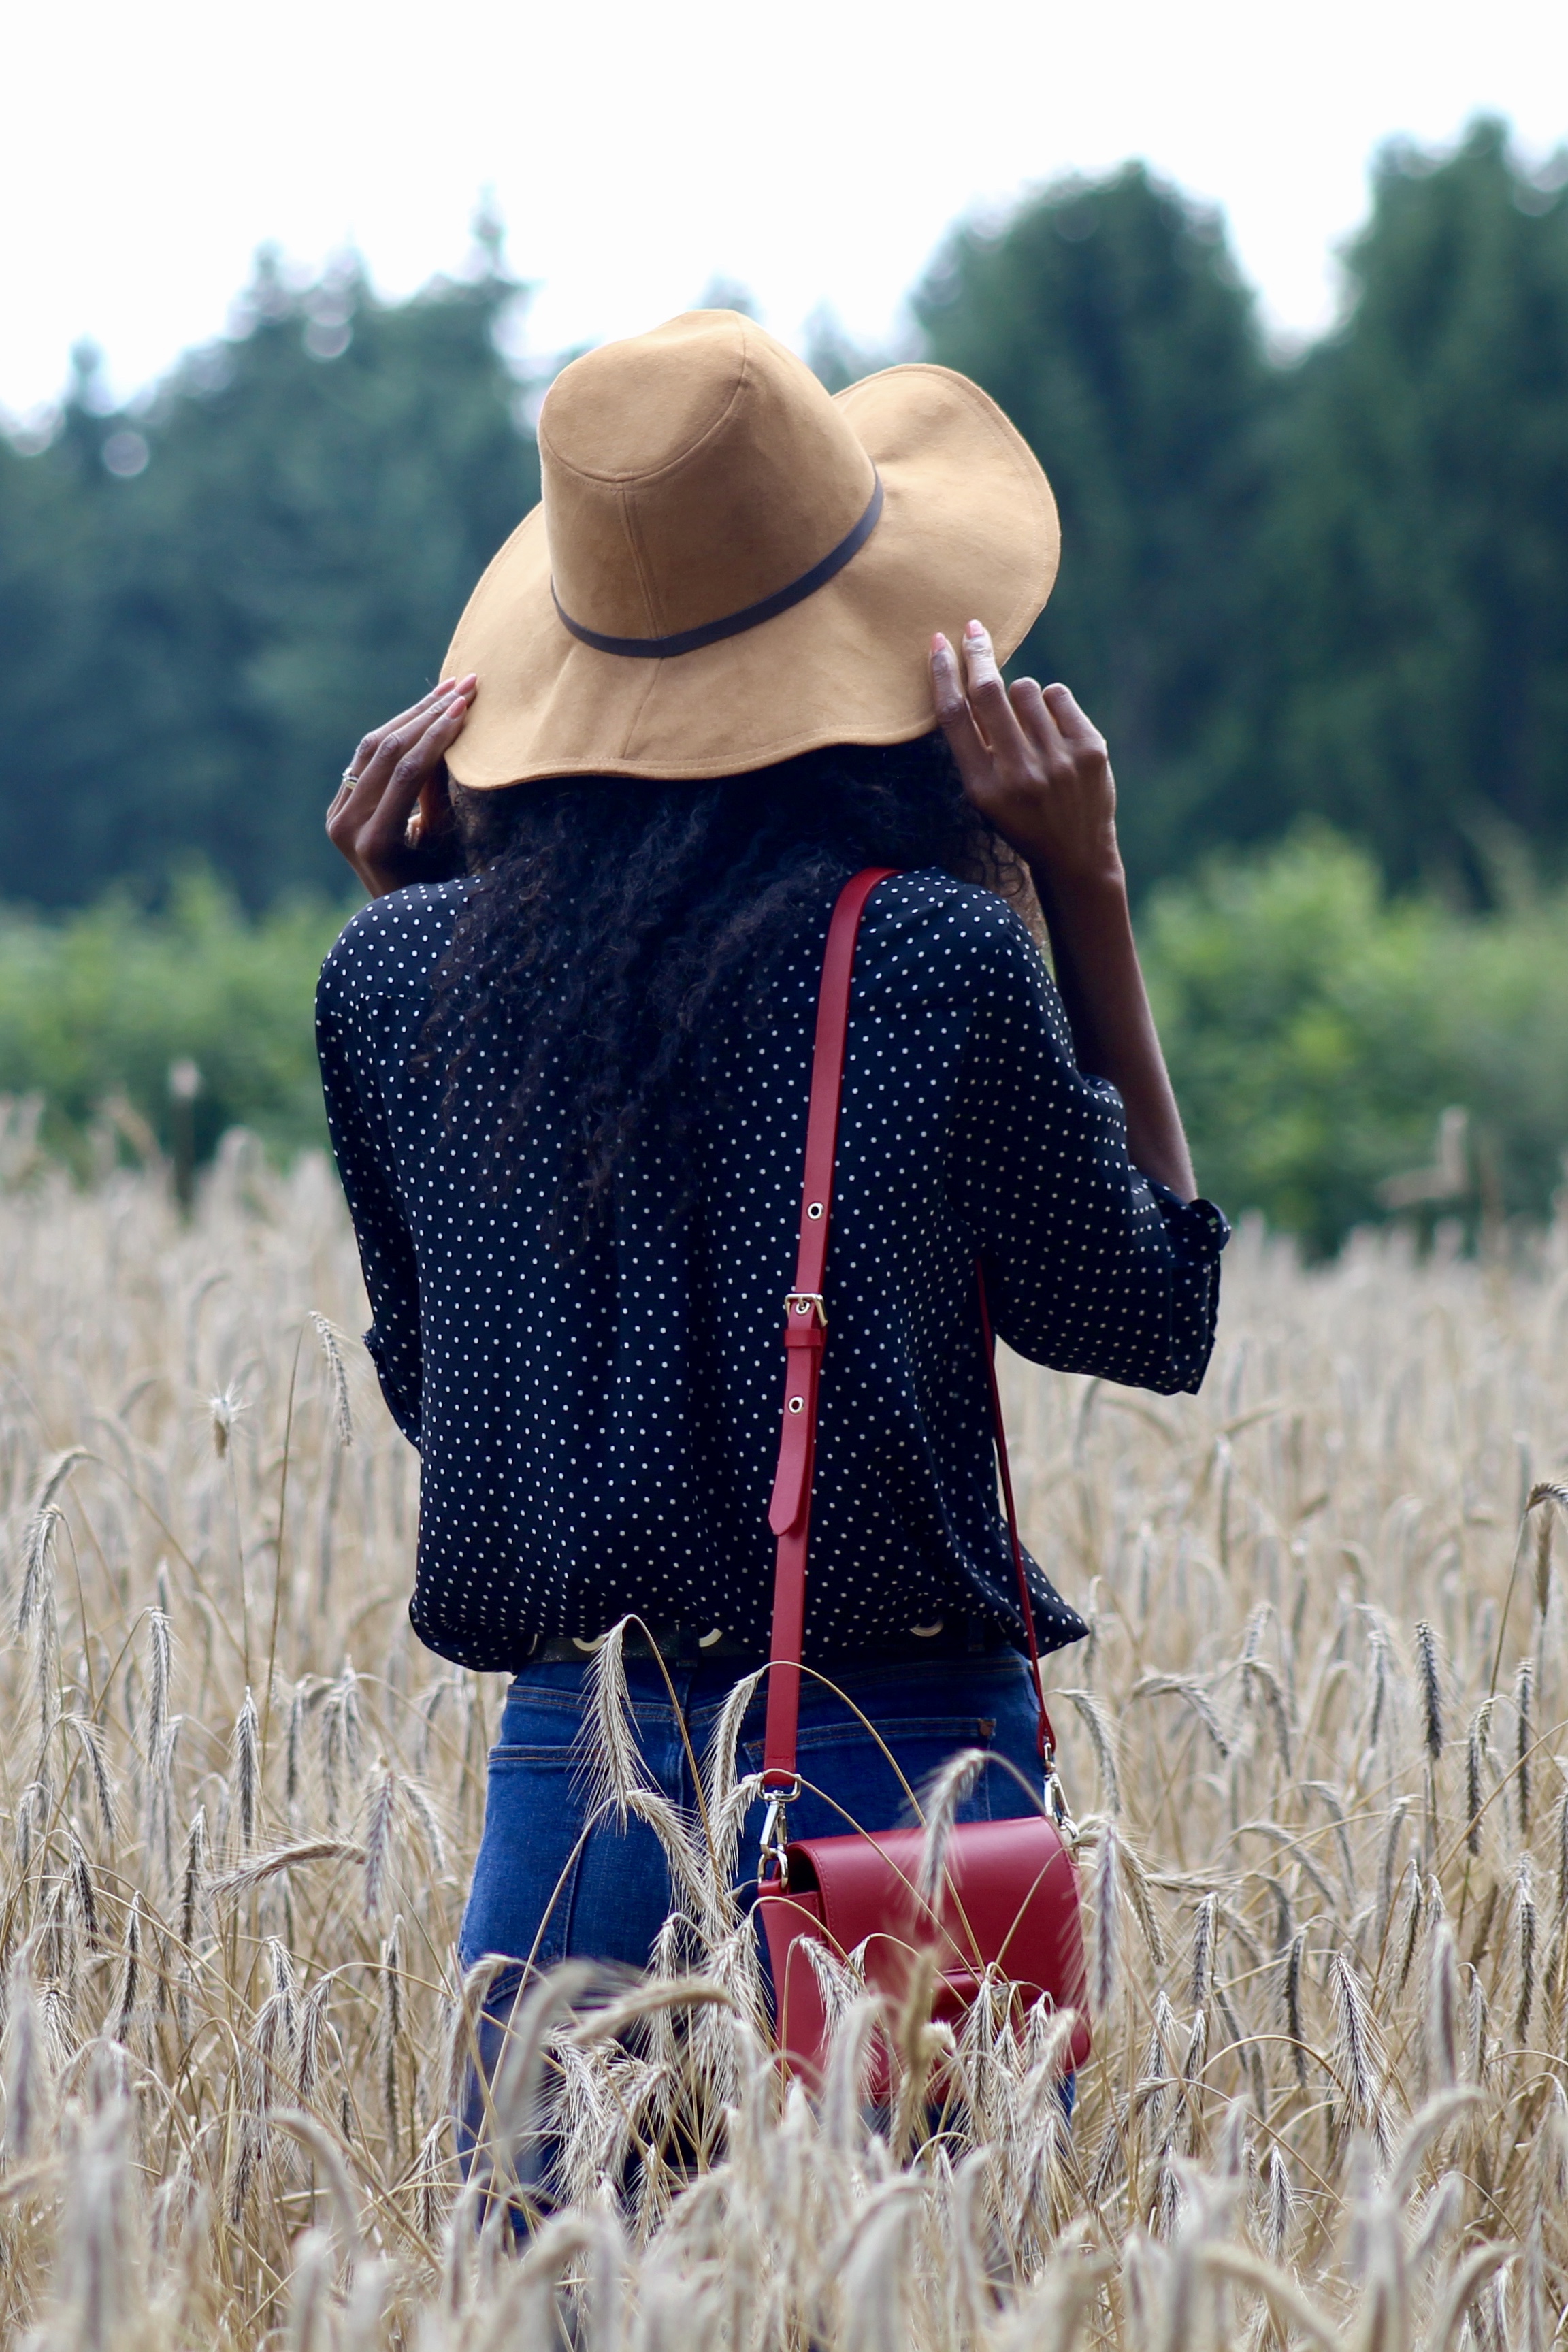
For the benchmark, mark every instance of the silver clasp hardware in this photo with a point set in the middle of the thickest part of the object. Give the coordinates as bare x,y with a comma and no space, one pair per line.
1058,1812
775,1834
806,1302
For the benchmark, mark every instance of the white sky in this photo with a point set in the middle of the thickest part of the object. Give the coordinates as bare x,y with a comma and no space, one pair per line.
813,154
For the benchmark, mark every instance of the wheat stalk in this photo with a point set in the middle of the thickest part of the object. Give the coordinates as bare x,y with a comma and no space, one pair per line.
245,2043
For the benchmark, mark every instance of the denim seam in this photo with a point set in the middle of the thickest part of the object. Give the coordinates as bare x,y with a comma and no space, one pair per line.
522,1751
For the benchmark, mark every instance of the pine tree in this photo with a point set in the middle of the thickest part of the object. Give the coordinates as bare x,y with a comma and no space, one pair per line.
1415,684
201,641
1109,320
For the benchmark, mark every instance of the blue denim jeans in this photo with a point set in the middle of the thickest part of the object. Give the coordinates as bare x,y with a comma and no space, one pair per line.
544,1892
549,1888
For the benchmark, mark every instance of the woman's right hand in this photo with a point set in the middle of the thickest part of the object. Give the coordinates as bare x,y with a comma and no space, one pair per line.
392,817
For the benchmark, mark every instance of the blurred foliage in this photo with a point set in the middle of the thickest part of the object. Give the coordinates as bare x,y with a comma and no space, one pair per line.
1339,586
1411,673
1317,1032
1110,322
192,651
98,1006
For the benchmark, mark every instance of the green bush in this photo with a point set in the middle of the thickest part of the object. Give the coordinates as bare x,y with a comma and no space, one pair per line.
1317,1031
103,1003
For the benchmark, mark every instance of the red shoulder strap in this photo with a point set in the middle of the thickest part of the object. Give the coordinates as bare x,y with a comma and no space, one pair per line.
805,1332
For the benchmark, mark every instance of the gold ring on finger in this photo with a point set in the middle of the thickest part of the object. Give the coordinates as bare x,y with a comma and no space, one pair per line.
349,776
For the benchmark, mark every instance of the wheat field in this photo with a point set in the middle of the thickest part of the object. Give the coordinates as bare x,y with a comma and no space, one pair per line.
1314,1745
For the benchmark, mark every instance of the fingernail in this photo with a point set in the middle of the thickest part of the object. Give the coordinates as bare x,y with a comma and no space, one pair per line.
939,644
975,629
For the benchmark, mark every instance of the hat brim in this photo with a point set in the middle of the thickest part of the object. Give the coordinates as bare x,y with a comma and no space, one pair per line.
968,528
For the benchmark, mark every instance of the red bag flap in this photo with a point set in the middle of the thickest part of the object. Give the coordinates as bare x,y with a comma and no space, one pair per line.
1010,1899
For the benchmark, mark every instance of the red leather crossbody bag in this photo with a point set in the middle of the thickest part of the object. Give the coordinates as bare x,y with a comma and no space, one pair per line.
1008,1902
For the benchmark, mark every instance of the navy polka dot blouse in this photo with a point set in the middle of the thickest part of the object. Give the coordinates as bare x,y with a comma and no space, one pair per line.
598,1435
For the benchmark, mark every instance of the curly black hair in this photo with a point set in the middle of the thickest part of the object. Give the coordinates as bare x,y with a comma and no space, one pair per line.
615,932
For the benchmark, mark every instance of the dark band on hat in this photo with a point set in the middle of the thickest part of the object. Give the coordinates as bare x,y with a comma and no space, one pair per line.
750,617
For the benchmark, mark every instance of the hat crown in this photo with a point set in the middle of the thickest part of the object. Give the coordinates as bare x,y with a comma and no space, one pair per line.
691,473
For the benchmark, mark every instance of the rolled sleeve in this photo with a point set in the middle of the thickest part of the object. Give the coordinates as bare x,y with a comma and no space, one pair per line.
1092,1266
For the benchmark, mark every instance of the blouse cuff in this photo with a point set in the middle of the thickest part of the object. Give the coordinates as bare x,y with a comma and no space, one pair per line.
1198,1230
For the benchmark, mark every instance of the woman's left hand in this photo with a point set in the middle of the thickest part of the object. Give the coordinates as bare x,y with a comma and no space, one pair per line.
1033,762
392,816
1035,765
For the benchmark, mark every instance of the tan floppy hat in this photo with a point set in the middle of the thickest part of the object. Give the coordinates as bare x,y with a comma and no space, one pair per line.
729,567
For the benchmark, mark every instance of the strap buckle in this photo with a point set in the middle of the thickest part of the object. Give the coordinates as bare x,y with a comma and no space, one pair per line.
806,1302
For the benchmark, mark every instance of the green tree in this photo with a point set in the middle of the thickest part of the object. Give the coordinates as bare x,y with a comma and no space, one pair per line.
1417,686
201,636
1318,1030
54,529
1109,320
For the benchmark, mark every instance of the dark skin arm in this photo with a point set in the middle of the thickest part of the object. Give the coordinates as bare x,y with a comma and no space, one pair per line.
1034,764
